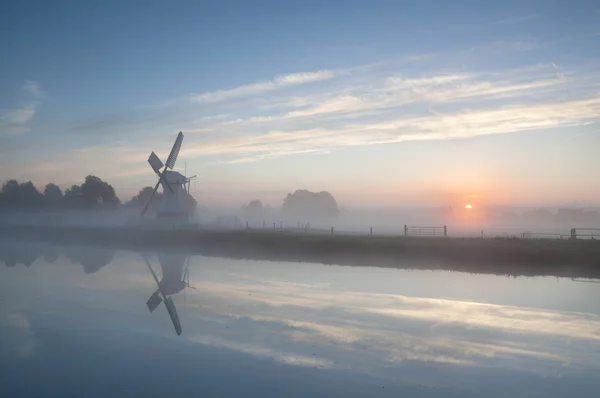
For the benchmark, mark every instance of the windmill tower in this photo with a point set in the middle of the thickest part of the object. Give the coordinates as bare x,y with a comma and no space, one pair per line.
173,208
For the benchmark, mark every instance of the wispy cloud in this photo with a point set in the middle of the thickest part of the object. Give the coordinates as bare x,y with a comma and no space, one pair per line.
407,99
262,87
23,340
385,329
33,88
515,20
14,120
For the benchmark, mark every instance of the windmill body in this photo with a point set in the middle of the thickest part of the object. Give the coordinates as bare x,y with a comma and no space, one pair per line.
173,277
173,208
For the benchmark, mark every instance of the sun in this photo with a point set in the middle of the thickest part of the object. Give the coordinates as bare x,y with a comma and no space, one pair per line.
468,206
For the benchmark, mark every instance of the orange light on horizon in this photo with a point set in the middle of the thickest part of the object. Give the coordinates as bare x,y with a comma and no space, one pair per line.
468,206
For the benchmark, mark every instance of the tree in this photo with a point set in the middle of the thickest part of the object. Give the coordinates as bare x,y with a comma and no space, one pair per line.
21,196
254,210
253,207
96,193
73,197
190,203
53,196
307,205
139,200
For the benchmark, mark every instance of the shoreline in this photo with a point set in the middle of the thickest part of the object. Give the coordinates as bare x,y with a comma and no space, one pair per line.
499,256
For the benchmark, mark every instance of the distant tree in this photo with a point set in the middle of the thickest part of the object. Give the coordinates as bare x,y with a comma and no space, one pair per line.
96,193
592,217
10,193
53,196
253,206
538,215
190,203
253,211
73,197
139,200
21,196
306,205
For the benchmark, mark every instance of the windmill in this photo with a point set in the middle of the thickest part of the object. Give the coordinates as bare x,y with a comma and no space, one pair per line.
175,278
173,206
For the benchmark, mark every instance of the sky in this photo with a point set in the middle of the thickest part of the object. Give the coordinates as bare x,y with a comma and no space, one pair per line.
381,103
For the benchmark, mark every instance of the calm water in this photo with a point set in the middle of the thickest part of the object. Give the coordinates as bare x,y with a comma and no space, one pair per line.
74,323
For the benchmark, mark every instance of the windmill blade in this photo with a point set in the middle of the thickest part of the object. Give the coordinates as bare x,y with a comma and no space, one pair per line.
174,151
186,276
155,163
154,301
173,314
151,270
150,199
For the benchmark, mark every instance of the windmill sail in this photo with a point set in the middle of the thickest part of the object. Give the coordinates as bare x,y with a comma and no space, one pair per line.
174,151
154,301
173,314
155,162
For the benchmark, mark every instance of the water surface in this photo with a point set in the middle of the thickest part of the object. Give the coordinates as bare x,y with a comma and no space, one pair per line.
74,322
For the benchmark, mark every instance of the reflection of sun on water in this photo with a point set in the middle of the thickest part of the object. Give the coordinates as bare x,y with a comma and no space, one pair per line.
468,206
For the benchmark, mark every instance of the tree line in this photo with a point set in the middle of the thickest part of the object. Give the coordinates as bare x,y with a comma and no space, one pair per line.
92,194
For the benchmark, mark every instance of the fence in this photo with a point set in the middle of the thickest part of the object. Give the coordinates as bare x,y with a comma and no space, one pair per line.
543,235
592,233
411,230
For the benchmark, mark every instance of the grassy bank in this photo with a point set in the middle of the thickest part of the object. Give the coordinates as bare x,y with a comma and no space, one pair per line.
568,258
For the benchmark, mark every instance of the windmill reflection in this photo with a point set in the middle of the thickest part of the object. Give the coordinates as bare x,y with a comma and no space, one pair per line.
174,267
174,279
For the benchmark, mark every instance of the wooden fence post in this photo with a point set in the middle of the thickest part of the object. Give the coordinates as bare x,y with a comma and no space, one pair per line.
445,231
331,231
371,231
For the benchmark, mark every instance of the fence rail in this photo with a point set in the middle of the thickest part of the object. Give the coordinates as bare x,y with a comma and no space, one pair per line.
413,230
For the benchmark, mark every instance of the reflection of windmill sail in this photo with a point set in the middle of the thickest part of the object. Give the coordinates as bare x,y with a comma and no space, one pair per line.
172,281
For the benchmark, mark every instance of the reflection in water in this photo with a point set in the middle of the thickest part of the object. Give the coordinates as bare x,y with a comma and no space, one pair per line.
174,279
323,331
174,267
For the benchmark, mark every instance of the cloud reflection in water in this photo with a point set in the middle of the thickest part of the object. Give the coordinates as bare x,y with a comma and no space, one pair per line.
313,316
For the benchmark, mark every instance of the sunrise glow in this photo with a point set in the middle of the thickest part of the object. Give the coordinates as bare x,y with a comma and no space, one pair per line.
468,207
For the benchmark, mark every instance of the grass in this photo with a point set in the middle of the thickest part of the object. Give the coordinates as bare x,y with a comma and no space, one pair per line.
504,256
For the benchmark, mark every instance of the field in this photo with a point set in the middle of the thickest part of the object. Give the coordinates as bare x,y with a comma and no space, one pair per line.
531,257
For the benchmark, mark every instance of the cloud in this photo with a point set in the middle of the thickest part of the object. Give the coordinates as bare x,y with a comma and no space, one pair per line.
22,339
287,358
262,87
304,77
33,88
515,20
12,120
19,115
318,112
438,126
372,331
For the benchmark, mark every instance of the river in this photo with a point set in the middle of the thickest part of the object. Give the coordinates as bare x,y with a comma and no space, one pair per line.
76,321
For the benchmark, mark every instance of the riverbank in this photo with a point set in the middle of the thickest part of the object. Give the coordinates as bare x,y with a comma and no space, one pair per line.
518,257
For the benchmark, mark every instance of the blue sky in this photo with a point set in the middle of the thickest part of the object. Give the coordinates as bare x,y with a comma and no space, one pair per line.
381,103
